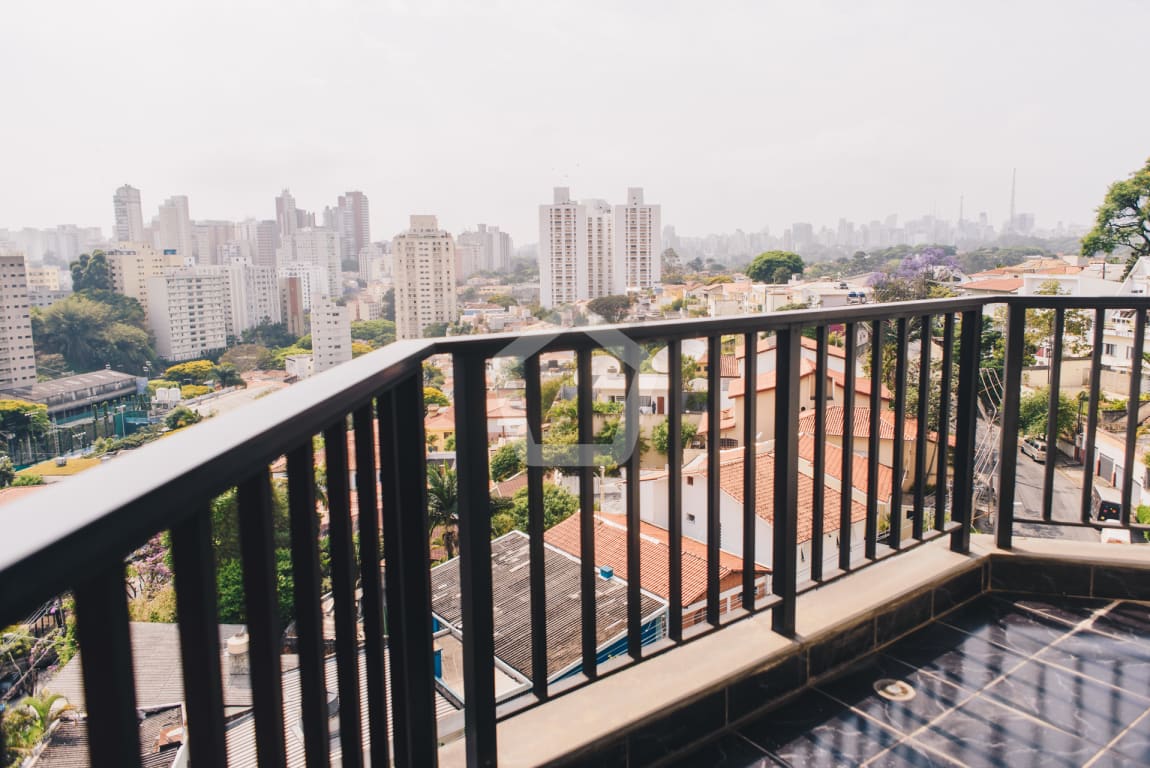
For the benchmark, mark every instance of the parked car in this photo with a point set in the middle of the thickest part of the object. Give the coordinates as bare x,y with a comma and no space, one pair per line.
1105,504
1035,448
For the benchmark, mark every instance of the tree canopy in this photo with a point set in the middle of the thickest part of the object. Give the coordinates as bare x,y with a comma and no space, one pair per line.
612,308
91,272
775,267
376,332
91,333
1123,219
508,460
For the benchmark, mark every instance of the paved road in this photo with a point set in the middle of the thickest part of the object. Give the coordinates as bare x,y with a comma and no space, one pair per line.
1067,499
237,399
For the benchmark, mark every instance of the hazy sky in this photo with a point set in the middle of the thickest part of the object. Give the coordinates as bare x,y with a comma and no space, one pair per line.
730,114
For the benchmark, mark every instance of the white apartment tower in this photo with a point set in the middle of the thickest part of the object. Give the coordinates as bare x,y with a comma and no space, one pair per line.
330,335
131,265
485,249
589,249
313,247
173,231
562,250
286,216
254,295
639,241
129,226
424,266
352,224
17,355
189,312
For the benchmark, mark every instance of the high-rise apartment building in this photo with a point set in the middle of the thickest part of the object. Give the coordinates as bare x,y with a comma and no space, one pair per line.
562,250
263,237
485,249
423,259
17,354
293,310
588,249
129,227
330,335
317,248
173,227
189,310
352,224
639,241
208,238
286,219
253,295
131,265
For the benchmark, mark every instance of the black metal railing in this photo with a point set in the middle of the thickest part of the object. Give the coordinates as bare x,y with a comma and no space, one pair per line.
75,537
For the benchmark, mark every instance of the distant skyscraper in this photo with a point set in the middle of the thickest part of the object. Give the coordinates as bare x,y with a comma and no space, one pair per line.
604,270
286,217
317,248
562,250
129,226
638,241
352,224
17,355
485,249
424,265
174,230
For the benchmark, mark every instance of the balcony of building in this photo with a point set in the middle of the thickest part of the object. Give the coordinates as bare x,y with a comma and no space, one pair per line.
928,597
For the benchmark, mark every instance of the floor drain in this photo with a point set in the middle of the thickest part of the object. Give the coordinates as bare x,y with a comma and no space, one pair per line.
894,690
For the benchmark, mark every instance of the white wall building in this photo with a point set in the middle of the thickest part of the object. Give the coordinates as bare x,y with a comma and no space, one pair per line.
253,294
173,228
423,258
639,241
313,247
353,224
131,266
189,312
330,335
129,226
17,355
484,249
562,250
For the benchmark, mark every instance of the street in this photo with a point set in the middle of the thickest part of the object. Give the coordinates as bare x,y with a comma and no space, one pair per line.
1067,499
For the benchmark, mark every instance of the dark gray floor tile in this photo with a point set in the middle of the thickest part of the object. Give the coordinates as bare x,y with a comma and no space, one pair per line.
1129,583
1040,576
1128,620
932,695
731,751
1071,702
1121,663
960,658
982,734
1135,744
815,730
761,689
1111,759
1001,623
1071,610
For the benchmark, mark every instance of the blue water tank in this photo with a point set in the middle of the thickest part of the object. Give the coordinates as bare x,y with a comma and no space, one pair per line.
606,571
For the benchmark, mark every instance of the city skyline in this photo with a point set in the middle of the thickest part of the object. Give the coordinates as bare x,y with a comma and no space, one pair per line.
748,115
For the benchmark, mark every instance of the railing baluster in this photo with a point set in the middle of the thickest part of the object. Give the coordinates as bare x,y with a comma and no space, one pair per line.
894,536
586,431
1092,415
194,564
408,582
1008,445
923,433
475,558
343,577
1052,416
538,575
818,466
944,398
109,682
308,613
846,508
371,583
966,430
750,451
675,490
634,576
258,554
1132,410
874,445
714,438
786,511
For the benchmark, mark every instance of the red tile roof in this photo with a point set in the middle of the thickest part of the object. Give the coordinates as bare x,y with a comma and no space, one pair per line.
833,456
726,421
995,285
654,555
861,422
509,487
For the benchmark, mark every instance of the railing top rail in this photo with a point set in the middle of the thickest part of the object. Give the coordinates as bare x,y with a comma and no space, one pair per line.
50,540
1035,301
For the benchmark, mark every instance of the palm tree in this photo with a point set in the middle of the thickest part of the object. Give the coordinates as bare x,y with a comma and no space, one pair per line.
44,705
443,504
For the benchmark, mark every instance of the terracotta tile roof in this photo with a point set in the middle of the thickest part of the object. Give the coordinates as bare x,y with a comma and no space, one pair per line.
834,466
731,483
861,422
509,487
726,421
767,381
654,555
862,384
997,285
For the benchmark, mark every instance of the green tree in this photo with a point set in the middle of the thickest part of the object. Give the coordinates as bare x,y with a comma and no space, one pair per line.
1123,219
91,271
443,504
434,396
228,376
435,330
432,376
662,432
180,417
378,333
244,357
611,308
7,471
230,590
21,418
268,334
775,267
1032,412
508,460
558,505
